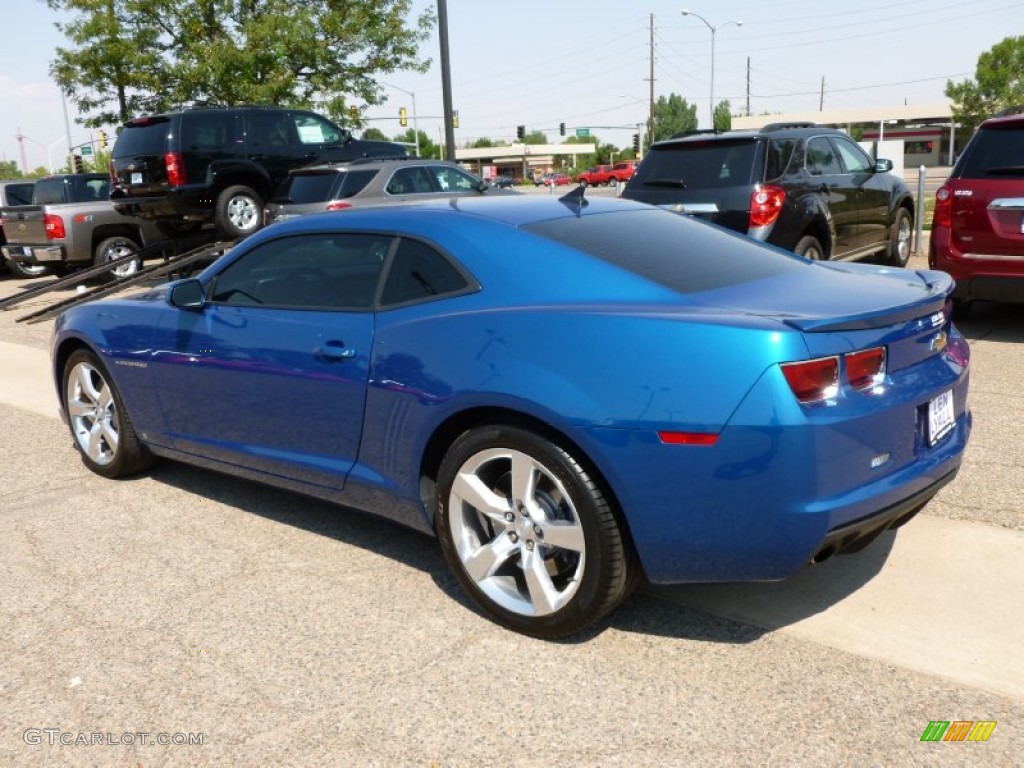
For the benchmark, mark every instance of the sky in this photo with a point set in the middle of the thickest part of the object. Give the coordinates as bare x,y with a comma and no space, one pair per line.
539,64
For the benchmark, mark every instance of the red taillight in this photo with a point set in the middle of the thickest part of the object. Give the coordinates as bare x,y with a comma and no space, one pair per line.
813,380
687,438
765,203
338,205
866,369
175,169
54,226
943,216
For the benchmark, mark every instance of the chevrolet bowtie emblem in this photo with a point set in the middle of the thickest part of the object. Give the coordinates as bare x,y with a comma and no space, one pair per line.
938,343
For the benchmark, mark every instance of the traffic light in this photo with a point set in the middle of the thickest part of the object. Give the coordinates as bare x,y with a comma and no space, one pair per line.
636,142
79,166
403,117
103,139
561,129
353,112
520,132
455,118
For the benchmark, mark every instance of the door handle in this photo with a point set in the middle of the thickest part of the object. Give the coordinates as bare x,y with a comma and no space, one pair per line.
334,352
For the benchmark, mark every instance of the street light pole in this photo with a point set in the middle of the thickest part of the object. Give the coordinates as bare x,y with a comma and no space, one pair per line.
714,29
415,124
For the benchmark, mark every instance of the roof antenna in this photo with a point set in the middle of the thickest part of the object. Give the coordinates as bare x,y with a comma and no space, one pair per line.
575,199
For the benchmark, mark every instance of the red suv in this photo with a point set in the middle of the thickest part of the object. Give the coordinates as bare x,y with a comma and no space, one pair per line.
978,227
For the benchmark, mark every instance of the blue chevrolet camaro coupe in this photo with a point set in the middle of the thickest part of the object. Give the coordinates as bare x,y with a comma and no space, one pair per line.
569,395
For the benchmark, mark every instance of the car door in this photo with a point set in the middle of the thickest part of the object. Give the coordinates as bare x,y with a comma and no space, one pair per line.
271,374
872,194
836,189
272,141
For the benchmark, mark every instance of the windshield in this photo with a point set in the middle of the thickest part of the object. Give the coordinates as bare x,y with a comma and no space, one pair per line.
995,151
699,164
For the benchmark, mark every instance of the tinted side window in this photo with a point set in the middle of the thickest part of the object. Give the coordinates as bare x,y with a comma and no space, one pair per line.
317,271
313,129
268,130
994,152
309,187
206,132
821,157
420,272
780,152
452,179
854,158
407,181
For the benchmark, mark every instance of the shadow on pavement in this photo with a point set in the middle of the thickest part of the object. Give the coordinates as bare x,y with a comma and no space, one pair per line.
992,321
722,613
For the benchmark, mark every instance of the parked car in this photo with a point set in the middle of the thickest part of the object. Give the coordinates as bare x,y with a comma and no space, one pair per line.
70,223
567,395
502,182
220,165
15,192
554,180
595,176
805,188
978,225
621,172
335,187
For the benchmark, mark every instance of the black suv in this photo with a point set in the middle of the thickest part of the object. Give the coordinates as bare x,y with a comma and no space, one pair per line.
802,187
220,164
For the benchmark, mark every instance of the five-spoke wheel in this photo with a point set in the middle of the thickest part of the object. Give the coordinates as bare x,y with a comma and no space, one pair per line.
529,533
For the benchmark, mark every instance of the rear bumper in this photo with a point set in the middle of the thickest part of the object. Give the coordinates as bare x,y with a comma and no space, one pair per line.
194,202
34,254
995,278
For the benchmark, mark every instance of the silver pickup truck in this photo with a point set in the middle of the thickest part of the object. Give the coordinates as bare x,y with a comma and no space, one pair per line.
71,223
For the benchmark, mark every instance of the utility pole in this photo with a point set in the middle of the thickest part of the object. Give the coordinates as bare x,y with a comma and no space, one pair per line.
821,101
446,80
748,86
650,119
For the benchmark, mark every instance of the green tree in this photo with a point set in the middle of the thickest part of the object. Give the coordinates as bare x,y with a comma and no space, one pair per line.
723,116
998,83
483,143
9,170
535,137
673,114
127,57
427,147
375,134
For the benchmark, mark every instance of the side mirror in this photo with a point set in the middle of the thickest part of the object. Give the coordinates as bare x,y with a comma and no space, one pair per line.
883,166
187,294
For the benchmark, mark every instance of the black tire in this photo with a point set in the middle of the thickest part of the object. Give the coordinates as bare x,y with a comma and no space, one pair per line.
18,269
239,212
900,235
101,431
525,582
115,248
810,248
613,182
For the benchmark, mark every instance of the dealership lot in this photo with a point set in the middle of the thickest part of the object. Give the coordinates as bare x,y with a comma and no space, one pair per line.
284,630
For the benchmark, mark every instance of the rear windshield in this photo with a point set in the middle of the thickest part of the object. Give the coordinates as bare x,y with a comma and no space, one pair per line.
680,253
148,138
701,165
320,187
993,152
18,194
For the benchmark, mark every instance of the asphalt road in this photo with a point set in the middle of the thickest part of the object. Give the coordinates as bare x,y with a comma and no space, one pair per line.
283,631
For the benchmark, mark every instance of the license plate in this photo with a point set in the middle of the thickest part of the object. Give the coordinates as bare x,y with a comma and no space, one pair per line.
940,417
136,178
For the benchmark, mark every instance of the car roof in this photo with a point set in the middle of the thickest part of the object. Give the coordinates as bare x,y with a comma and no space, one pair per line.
369,162
512,210
770,130
1008,116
